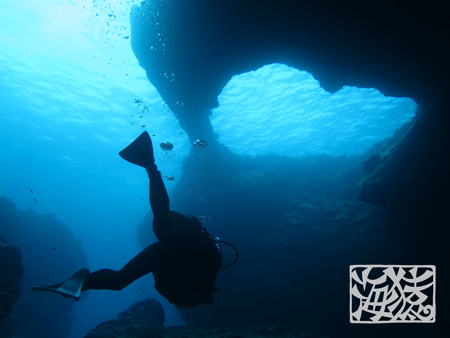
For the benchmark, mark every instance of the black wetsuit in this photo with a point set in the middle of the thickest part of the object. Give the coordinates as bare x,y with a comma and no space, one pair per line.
184,268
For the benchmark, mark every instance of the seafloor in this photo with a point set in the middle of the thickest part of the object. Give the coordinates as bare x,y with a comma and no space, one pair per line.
145,319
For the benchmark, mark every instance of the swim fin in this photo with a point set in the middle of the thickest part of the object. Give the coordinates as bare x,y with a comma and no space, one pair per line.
69,288
140,151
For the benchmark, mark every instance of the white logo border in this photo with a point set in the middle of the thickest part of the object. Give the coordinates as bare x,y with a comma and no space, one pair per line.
432,267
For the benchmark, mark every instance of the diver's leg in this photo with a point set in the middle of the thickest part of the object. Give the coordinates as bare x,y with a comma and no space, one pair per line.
140,152
139,266
159,202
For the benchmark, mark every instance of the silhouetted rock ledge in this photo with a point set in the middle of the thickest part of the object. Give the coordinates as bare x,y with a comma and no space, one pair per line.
254,332
142,319
49,251
410,173
145,319
11,273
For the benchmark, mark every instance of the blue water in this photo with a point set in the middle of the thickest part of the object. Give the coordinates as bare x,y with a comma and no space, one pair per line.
72,95
281,110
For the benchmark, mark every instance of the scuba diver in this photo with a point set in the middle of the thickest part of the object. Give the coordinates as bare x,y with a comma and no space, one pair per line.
184,262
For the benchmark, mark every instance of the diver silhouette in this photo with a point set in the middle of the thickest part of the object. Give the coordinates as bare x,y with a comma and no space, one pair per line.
184,262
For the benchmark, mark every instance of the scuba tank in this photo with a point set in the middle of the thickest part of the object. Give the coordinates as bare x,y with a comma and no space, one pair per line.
187,225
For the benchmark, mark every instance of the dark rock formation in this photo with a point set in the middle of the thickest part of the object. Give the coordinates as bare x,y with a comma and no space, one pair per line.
49,253
142,319
11,273
145,319
295,222
372,162
298,225
149,310
413,174
258,331
191,49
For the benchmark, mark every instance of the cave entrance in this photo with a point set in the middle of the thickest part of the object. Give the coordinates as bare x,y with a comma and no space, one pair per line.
284,111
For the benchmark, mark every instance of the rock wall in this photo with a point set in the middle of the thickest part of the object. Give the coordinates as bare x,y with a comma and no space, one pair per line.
146,318
142,319
11,273
49,253
412,176
190,50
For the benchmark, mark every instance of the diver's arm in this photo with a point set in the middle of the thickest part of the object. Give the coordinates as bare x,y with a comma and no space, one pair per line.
159,202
